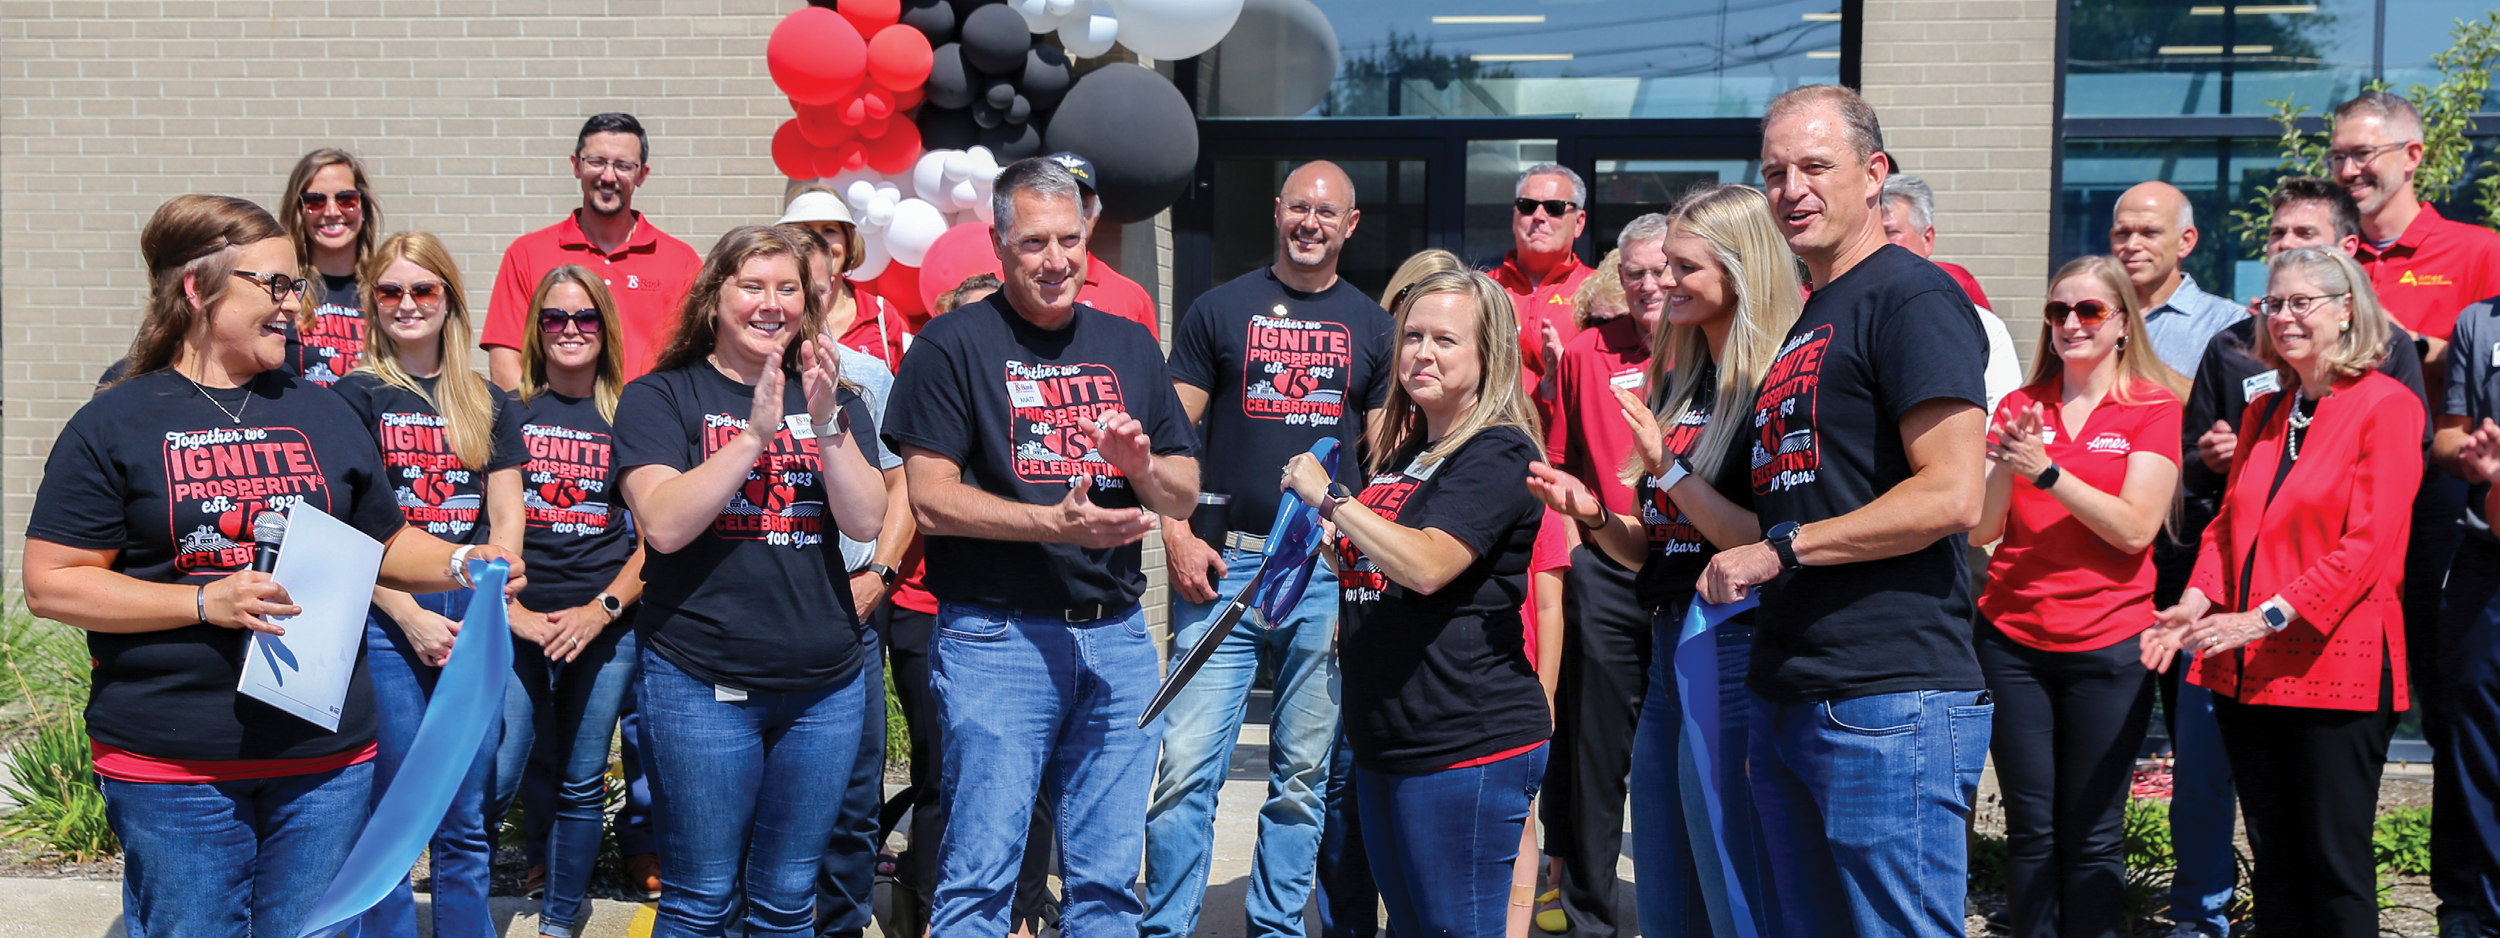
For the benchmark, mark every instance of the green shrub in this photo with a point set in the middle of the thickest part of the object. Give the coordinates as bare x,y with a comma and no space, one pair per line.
60,808
46,665
2402,841
1987,862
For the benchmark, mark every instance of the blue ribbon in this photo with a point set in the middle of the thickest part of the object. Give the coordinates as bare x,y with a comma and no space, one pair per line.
1293,539
468,697
1723,883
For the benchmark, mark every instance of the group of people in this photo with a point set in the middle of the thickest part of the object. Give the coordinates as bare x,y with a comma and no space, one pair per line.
737,493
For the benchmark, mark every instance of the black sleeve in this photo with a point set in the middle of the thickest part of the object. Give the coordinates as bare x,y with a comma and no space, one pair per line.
2403,362
1193,350
2203,407
1481,492
858,417
1383,361
651,429
931,408
1169,425
1930,347
80,501
510,451
356,388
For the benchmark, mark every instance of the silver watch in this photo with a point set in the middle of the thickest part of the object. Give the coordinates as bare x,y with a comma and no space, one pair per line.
615,607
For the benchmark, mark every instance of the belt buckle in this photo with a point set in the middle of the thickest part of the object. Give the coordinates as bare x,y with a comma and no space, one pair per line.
1084,613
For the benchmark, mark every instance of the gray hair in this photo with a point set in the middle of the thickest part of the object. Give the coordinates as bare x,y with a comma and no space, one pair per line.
1866,135
2402,119
1037,176
1913,190
1579,189
1643,230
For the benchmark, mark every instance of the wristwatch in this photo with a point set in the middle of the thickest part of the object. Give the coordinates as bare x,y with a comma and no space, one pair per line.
2047,478
1338,495
2276,621
615,607
885,574
1782,537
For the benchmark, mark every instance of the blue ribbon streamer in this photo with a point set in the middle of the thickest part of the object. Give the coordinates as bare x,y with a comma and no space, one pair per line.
1294,538
468,697
1705,813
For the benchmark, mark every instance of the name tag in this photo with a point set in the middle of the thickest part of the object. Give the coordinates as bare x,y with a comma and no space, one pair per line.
801,426
2495,354
1024,393
1631,380
2271,382
1420,470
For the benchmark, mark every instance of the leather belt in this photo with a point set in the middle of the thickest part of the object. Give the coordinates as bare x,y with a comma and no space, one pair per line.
1078,614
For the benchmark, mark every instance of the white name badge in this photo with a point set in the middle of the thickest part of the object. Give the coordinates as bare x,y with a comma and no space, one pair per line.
2266,383
1419,470
801,426
1631,380
1024,393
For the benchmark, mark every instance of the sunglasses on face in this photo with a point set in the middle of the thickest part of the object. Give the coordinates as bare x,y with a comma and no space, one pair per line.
427,295
1554,208
2091,313
551,320
278,285
317,202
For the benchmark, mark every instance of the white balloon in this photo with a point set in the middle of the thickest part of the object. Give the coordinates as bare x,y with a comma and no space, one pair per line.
1174,29
1091,35
928,176
880,213
873,260
964,194
916,225
859,193
1061,7
981,210
982,160
1037,16
958,164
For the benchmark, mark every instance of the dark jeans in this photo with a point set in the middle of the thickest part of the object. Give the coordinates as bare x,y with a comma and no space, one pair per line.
568,715
2469,766
1442,843
233,859
2430,552
2068,725
846,881
1349,902
1597,699
2310,801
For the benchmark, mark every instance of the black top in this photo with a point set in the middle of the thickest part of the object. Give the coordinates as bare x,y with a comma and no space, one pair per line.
1010,402
1892,333
2227,378
1677,550
1279,366
2473,388
335,344
758,601
1432,681
578,535
153,470
439,495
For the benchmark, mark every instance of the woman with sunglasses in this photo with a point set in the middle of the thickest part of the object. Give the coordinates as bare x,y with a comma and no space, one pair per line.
330,216
233,815
2083,461
581,605
854,317
452,444
2294,615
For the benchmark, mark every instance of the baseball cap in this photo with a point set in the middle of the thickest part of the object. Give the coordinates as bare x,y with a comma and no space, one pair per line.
817,205
1077,166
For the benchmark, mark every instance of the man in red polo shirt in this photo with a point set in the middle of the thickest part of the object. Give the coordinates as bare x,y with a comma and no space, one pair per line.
646,271
1541,273
1104,288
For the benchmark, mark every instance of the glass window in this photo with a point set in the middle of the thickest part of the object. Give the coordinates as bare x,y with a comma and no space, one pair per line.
1493,168
1625,189
2419,29
1500,58
1390,194
2217,175
2161,57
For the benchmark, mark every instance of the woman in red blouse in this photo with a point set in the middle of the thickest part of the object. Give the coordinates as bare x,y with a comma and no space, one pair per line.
2293,612
2082,464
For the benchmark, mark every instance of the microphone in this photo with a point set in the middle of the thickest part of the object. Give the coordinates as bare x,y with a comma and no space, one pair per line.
268,531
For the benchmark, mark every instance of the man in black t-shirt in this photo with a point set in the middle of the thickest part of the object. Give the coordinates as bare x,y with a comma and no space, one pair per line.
1870,719
1272,361
1040,438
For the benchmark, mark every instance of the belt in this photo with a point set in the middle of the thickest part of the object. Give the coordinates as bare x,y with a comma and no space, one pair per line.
1078,614
1253,543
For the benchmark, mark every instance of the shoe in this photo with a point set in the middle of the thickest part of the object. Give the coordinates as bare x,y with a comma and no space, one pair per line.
642,871
2460,925
534,885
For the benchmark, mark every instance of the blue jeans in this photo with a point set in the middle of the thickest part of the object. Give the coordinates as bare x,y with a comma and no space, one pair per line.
1442,843
1349,902
1199,730
233,859
519,773
1667,886
1865,804
2201,814
753,784
847,876
637,825
461,851
564,790
1037,704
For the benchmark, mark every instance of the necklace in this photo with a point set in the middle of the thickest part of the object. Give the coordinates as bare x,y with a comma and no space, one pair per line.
236,414
2298,421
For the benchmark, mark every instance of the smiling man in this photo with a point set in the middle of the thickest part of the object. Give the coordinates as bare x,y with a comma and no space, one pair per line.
646,270
2424,267
2152,231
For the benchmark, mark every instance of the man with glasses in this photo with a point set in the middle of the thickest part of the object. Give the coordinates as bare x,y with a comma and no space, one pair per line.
2152,231
646,270
1273,361
1542,272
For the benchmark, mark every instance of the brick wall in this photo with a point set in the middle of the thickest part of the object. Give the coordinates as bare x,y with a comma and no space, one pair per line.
1967,93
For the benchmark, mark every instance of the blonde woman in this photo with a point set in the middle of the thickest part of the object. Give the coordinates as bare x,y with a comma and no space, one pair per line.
333,220
2082,464
1729,288
1444,713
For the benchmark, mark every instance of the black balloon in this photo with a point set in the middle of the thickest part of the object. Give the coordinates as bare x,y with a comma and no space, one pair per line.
933,18
999,94
1138,132
995,39
987,116
964,8
950,80
948,129
1020,111
1045,78
1013,142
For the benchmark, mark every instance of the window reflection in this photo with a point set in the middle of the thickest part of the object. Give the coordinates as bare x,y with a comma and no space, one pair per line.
2156,57
1390,194
1626,189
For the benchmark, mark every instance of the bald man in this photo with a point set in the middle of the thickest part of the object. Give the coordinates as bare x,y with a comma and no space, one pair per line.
1272,362
2152,231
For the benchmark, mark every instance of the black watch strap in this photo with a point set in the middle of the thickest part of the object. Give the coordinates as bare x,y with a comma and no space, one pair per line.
885,574
1782,538
2047,477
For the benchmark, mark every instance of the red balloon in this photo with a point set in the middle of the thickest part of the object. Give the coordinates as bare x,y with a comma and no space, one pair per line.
877,104
871,15
849,155
793,155
899,57
852,110
872,129
961,252
816,56
822,124
909,98
897,150
900,286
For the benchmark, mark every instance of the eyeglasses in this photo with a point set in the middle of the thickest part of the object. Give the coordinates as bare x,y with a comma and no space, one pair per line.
426,295
2298,304
2091,313
278,285
1554,208
599,164
317,202
1328,215
551,321
2359,157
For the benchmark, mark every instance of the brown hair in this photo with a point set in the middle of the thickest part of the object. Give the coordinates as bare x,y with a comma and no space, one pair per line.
1501,400
291,214
950,300
193,238
2137,365
610,382
697,314
1866,135
463,399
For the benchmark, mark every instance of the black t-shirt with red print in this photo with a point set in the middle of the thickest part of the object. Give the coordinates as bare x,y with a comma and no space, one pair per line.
157,472
578,534
1281,368
335,342
439,495
1011,403
1433,681
759,600
1678,552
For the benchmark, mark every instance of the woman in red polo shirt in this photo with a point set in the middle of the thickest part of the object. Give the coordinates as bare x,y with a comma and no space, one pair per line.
2082,464
2294,612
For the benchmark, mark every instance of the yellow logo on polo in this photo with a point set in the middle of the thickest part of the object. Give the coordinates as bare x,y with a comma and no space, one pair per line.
2412,279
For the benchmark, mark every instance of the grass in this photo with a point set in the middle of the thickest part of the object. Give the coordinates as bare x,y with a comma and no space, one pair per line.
51,775
46,667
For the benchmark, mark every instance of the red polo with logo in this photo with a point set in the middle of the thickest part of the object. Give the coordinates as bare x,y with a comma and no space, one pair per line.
1541,301
1588,439
2434,269
1106,290
2053,584
647,276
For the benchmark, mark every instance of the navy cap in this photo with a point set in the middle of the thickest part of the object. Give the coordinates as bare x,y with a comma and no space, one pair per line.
1077,166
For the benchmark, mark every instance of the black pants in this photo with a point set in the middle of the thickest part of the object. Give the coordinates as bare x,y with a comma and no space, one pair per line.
2068,724
2430,552
2308,787
908,636
1605,669
2469,761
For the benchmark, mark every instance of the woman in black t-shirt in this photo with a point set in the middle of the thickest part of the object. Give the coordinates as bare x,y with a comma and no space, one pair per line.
451,444
333,220
1442,709
734,459
141,535
1728,286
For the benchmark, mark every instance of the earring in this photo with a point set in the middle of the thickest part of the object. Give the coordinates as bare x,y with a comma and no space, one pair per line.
2122,342
2347,325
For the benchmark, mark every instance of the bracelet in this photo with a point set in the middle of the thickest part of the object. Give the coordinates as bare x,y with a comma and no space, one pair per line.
199,603
460,565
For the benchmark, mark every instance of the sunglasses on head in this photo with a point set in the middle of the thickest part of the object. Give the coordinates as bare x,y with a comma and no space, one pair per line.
551,320
348,199
1553,207
2089,312
426,294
